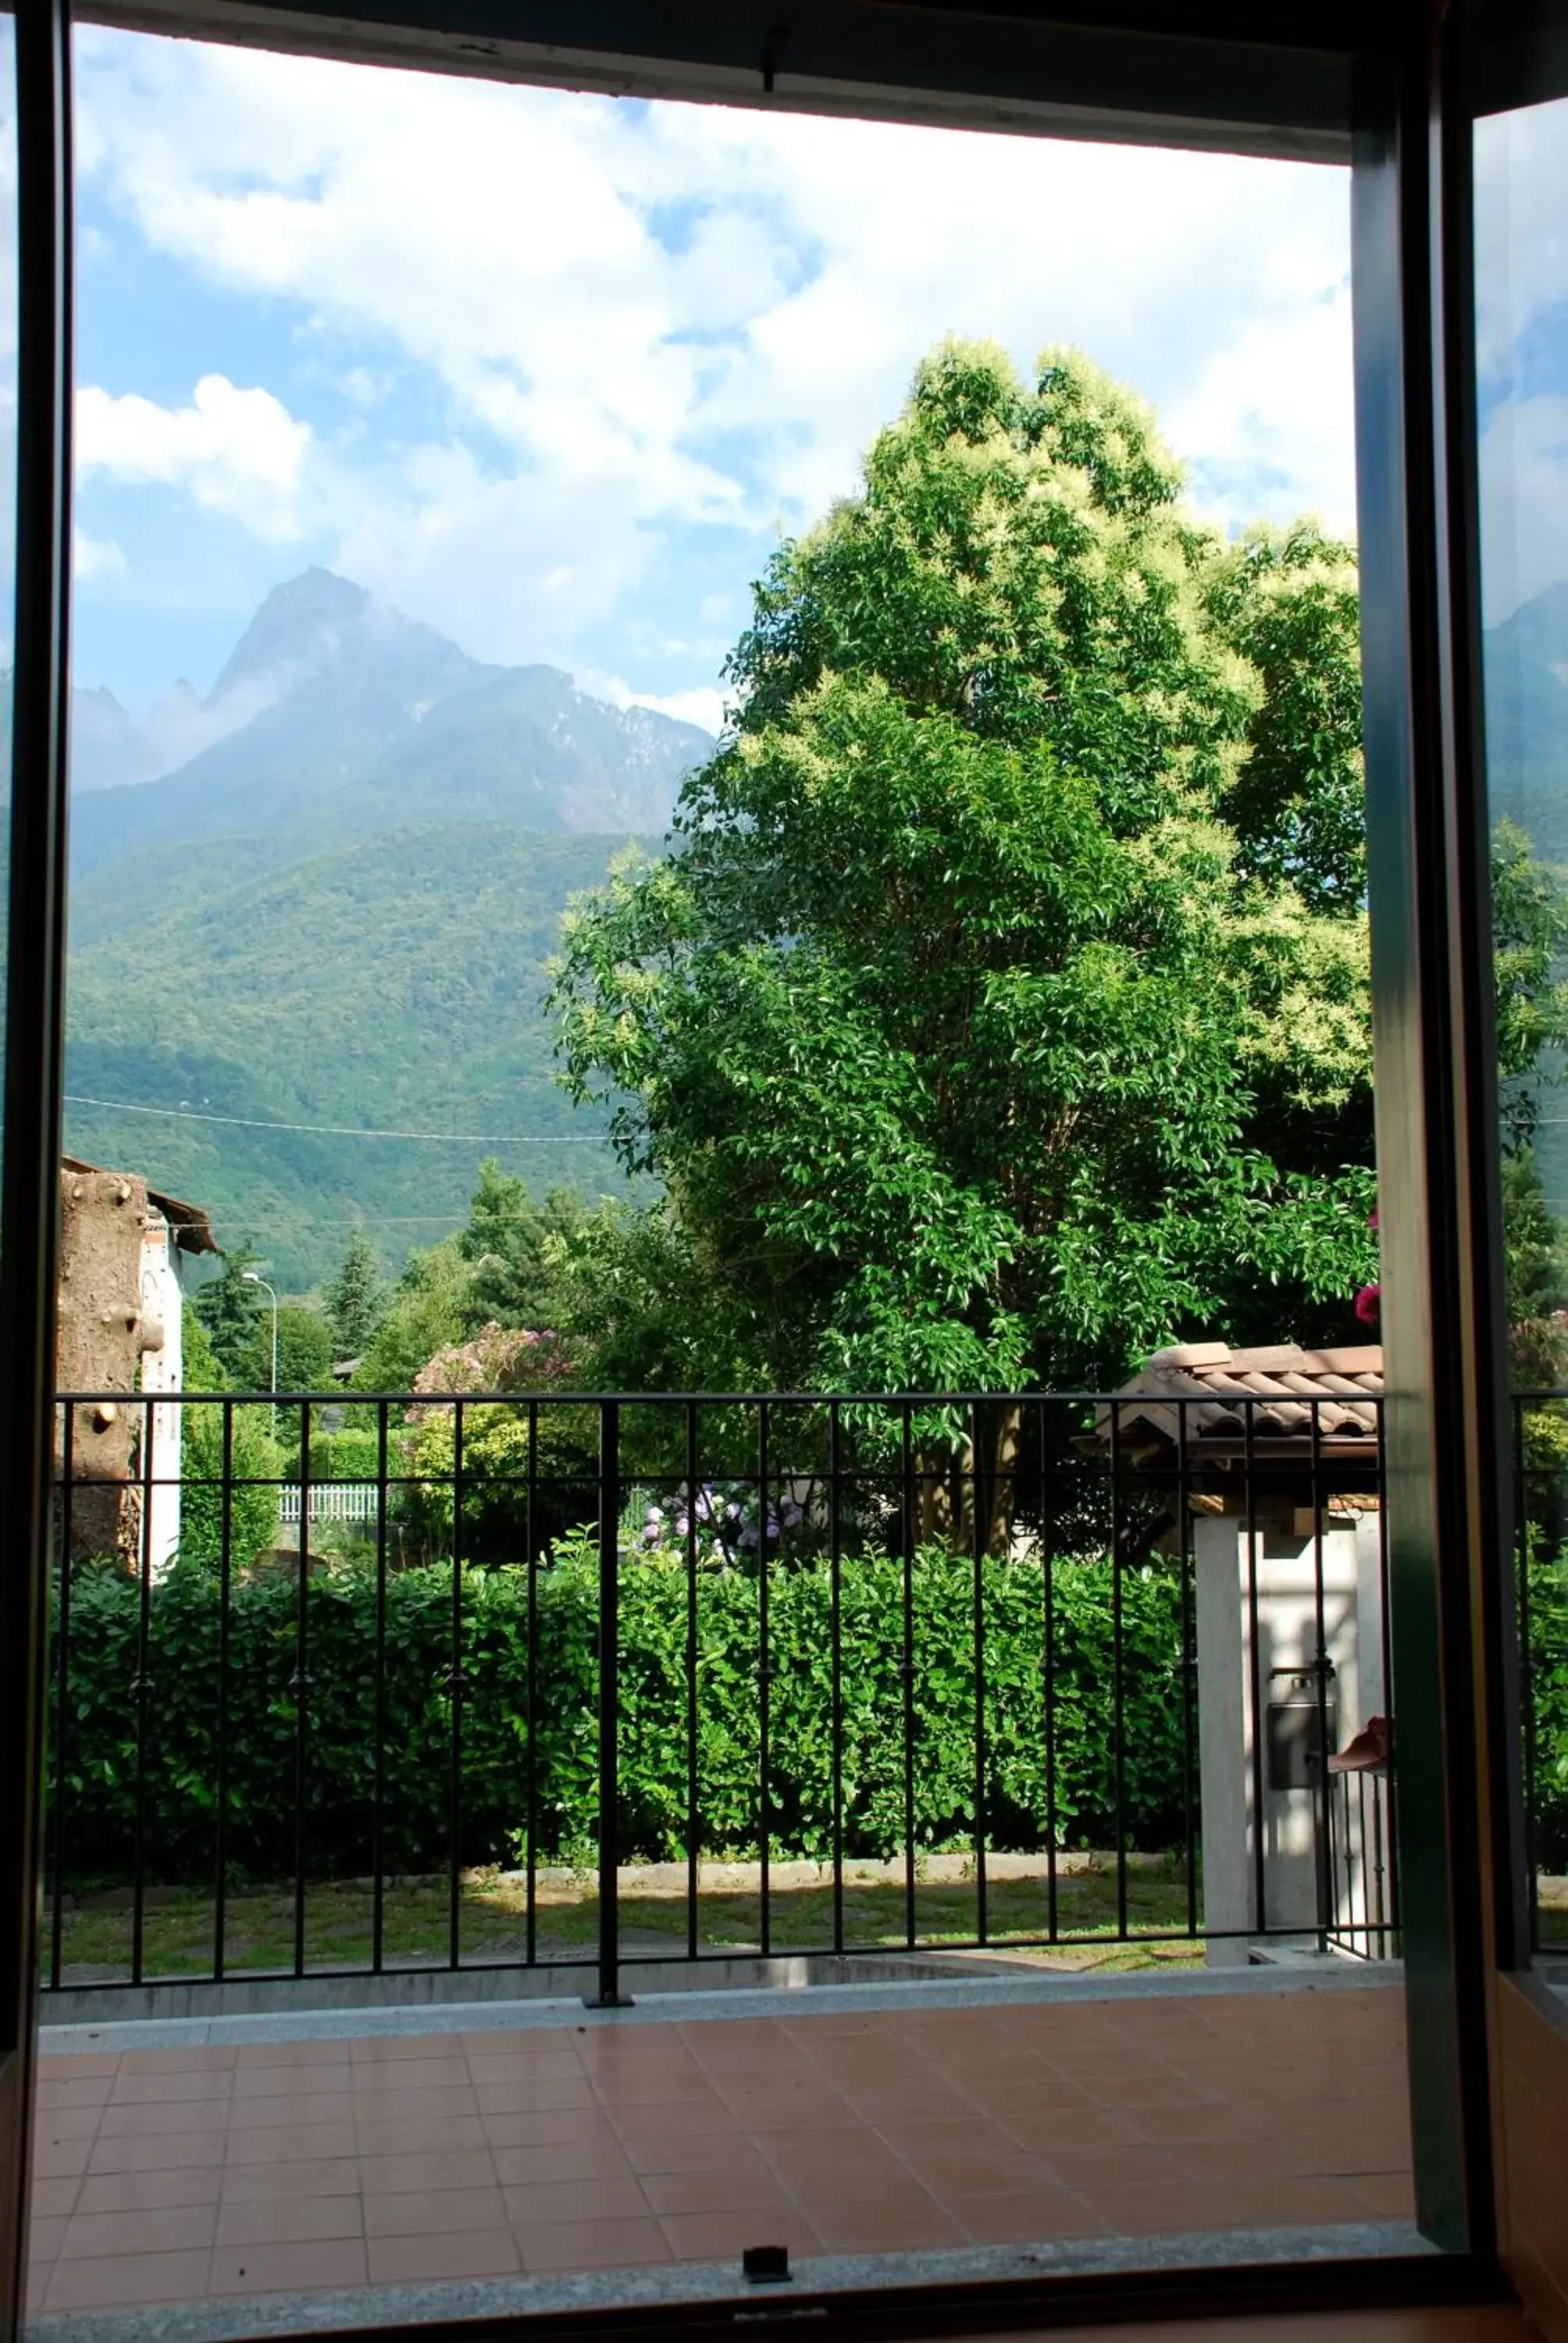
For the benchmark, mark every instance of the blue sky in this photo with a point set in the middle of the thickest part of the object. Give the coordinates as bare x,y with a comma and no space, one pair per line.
554,372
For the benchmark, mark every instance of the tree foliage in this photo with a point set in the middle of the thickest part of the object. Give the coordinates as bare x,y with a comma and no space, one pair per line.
355,1296
230,1309
979,1038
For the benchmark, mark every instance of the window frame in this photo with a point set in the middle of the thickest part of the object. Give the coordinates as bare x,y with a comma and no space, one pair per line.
1371,86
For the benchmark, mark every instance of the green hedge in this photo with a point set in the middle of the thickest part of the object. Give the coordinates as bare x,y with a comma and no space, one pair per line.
178,1767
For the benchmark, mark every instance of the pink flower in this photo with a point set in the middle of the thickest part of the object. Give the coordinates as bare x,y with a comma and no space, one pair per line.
1368,1305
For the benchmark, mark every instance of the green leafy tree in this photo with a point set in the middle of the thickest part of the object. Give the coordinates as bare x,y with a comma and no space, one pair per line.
355,1297
513,1249
961,1024
305,1352
1288,601
230,1308
426,1309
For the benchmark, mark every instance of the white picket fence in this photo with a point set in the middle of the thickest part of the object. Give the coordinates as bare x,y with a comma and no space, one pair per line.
330,1501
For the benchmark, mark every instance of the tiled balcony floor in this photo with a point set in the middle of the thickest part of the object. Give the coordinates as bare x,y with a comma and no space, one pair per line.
271,2166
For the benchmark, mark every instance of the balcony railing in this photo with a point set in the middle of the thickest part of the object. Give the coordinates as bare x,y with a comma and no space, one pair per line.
345,1687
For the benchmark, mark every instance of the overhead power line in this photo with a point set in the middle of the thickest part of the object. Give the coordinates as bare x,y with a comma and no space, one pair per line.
345,1131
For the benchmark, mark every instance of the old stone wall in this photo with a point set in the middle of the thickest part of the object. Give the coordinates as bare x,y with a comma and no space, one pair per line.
103,1217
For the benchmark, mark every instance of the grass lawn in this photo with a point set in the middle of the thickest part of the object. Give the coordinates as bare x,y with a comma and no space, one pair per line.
259,1924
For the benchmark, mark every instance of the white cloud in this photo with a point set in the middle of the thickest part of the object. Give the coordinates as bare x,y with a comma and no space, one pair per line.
702,705
238,452
93,558
641,321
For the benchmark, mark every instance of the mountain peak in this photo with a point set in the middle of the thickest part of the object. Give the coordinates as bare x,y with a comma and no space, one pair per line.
300,623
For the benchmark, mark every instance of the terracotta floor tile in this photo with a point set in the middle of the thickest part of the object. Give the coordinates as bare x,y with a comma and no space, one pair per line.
911,2222
376,2049
572,2159
54,2198
76,2091
592,2245
1288,2203
812,2110
524,2065
1143,2208
971,2172
412,2212
80,2064
142,2086
287,2078
38,2276
641,2118
548,2126
122,2282
532,2094
58,2157
150,2152
1091,2170
519,2042
300,2265
1024,2217
1388,2196
444,2254
1079,2127
385,2135
73,2122
695,2151
724,2236
45,2233
285,2220
158,2116
278,2144
146,2231
396,2075
531,2203
817,2163
713,2191
1150,2089
253,2055
178,2056
459,2167
295,2108
427,2102
313,2176
648,2083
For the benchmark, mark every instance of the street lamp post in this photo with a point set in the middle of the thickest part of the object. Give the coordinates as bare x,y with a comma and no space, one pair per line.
249,1277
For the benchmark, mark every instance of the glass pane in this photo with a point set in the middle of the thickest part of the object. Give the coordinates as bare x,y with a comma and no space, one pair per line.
1522,276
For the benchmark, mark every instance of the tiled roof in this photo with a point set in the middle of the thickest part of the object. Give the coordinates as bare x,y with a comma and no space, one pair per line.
1280,1380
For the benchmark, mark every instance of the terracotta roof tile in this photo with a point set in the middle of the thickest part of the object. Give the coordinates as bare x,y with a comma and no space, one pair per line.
1274,1385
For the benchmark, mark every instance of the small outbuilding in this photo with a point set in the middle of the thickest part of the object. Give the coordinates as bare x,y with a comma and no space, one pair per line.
1273,1453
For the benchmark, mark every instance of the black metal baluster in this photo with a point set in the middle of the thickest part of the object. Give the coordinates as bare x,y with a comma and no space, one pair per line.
1118,1682
63,1693
225,1622
455,1683
693,1825
609,1995
300,1688
1393,1760
764,1684
1254,1670
378,1791
531,1888
1047,1597
907,1672
1187,1563
836,1634
978,1541
1321,1673
143,1687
